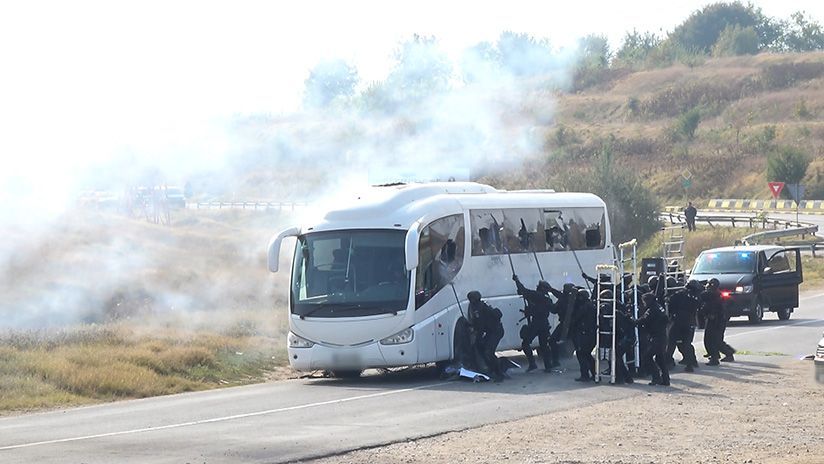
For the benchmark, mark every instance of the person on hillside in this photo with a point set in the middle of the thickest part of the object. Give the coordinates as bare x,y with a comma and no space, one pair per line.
689,213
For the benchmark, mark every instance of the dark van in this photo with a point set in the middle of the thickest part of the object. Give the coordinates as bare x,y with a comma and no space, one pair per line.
753,278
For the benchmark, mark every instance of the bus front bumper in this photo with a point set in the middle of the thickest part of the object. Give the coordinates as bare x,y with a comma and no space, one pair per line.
322,357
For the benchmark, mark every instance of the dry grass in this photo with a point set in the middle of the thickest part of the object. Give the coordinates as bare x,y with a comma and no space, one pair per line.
97,307
42,369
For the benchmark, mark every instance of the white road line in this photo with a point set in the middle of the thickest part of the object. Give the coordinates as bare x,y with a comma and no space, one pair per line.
811,297
774,328
220,419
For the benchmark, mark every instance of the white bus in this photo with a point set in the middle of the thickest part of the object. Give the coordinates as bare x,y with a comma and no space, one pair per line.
383,281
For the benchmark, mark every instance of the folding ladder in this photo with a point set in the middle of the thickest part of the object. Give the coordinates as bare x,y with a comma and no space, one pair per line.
673,260
605,322
628,256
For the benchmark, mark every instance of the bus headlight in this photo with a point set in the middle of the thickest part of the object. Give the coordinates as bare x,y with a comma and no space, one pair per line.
298,342
404,336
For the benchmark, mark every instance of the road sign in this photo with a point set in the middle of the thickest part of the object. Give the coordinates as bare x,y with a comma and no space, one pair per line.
796,191
776,188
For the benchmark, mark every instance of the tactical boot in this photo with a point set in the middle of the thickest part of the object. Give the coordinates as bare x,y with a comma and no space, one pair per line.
713,362
531,367
728,358
582,379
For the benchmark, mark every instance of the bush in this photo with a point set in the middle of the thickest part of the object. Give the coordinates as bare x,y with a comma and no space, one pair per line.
788,165
735,40
685,125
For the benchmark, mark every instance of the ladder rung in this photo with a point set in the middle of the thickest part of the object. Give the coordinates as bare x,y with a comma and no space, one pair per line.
605,333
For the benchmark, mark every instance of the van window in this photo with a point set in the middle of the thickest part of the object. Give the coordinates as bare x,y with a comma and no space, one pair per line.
782,262
441,253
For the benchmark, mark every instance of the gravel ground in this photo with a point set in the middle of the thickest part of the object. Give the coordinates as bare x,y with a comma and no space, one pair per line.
757,410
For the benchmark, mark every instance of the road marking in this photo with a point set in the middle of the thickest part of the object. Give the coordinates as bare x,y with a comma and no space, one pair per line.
220,419
774,328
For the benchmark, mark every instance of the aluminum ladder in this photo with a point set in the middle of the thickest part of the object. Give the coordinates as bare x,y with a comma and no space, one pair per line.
605,322
628,257
673,253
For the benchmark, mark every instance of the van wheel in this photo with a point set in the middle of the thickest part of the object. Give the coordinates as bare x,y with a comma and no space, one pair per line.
758,313
346,374
784,314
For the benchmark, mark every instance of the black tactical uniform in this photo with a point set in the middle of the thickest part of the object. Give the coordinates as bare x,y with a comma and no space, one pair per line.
712,310
583,330
683,306
564,308
538,307
655,321
486,322
624,343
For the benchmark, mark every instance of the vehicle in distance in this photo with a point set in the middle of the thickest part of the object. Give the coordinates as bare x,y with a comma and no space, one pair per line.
382,280
753,278
819,360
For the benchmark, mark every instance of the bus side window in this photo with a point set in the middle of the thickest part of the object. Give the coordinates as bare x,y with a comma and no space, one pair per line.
523,230
440,255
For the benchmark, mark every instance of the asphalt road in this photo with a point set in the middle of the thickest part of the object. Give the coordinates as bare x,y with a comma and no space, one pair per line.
300,419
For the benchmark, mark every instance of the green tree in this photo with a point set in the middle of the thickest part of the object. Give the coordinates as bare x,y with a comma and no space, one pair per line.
788,165
735,40
329,81
594,50
702,29
524,55
421,69
803,34
636,47
633,211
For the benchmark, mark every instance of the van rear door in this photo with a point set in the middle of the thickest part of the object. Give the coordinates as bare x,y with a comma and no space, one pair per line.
780,278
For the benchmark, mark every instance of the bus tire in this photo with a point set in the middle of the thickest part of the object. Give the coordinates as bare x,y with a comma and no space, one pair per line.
346,374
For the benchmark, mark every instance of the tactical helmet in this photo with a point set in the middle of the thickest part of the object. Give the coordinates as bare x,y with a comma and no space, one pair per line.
543,286
714,283
473,296
583,294
605,294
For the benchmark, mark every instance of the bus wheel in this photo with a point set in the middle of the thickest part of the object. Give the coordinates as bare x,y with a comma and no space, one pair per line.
346,374
784,314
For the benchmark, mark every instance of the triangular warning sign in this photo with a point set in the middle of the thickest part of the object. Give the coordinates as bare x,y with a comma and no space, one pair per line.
776,188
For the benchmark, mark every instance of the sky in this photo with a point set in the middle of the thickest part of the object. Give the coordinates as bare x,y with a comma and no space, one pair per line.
86,81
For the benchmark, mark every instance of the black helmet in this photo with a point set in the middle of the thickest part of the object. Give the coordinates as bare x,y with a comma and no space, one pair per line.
543,286
649,299
474,296
583,294
653,281
569,287
694,285
671,282
605,294
714,283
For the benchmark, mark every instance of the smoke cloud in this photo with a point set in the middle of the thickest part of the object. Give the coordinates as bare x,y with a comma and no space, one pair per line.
433,117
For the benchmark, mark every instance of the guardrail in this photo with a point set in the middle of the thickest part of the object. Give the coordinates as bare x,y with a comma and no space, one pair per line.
777,206
790,228
753,222
280,206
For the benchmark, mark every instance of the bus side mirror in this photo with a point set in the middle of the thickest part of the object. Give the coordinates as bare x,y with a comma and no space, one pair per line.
274,247
411,250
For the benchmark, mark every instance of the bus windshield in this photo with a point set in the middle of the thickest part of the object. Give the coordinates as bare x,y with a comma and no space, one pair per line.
726,262
350,273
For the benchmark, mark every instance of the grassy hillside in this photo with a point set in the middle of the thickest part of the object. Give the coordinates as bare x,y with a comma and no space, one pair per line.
747,106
